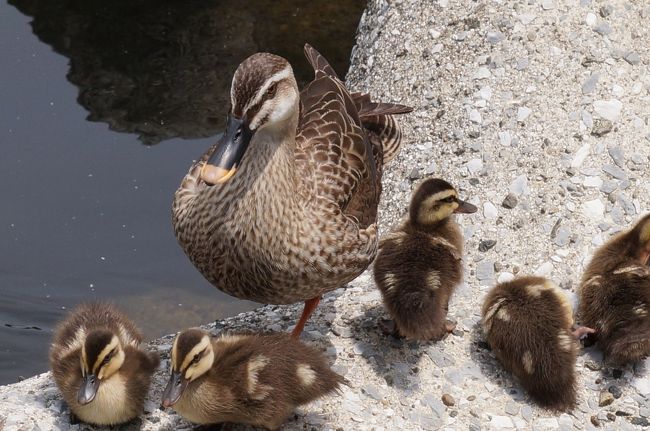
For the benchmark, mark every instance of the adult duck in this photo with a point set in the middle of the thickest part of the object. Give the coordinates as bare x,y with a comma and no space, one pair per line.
284,207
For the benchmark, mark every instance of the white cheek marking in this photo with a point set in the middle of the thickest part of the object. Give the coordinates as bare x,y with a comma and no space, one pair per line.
205,341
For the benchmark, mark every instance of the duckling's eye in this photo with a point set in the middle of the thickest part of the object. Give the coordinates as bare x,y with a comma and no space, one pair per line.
196,358
449,199
271,90
106,360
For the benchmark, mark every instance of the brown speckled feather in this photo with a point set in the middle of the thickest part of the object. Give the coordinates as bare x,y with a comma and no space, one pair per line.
527,322
299,217
615,297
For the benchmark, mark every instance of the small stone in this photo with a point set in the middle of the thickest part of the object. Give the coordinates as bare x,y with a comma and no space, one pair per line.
500,422
505,138
373,392
495,36
609,109
522,63
544,270
485,271
593,366
487,244
415,174
505,277
548,4
615,172
482,73
474,166
601,128
512,408
448,400
591,19
489,210
589,86
595,421
616,153
606,11
527,413
523,113
475,116
603,29
593,209
605,399
640,421
608,186
615,391
526,18
562,236
510,201
580,156
632,58
460,36
519,186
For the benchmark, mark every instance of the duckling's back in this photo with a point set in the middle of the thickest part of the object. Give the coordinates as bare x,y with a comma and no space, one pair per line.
416,273
268,376
617,305
528,325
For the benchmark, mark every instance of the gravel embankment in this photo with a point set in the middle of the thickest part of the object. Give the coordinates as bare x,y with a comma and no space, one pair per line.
539,113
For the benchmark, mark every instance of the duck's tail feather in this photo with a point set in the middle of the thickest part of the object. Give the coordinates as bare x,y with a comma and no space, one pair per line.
318,62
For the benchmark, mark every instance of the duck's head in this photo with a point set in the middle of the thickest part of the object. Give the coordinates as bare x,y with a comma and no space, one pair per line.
101,357
434,201
264,95
192,356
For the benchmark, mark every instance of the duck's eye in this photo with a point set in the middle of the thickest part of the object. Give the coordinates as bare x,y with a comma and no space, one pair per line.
272,89
106,360
196,358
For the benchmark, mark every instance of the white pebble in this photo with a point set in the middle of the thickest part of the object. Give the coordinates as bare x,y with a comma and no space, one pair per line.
520,185
580,156
482,73
593,209
489,210
592,182
544,270
522,113
505,138
505,276
475,116
608,109
591,19
474,166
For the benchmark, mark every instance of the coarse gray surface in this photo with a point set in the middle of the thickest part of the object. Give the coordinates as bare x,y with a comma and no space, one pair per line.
541,104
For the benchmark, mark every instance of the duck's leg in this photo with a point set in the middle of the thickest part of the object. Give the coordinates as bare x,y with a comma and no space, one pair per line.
310,306
582,331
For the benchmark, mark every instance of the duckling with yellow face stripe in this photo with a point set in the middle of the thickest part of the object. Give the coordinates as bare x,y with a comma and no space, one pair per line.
615,295
419,265
529,325
244,378
98,365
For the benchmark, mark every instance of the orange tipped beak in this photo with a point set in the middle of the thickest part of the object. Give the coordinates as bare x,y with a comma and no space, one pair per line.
212,174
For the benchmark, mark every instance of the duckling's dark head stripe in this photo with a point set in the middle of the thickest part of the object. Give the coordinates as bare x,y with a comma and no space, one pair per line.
252,79
95,343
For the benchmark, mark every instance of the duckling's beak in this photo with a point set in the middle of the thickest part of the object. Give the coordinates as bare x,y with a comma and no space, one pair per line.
223,163
465,207
174,390
88,389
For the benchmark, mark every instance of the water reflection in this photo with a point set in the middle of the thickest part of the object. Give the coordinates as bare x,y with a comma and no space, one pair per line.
162,69
86,212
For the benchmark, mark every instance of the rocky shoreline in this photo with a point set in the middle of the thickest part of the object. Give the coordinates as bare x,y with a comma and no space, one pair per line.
538,112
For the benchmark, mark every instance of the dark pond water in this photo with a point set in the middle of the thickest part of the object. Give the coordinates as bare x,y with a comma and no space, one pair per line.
104,106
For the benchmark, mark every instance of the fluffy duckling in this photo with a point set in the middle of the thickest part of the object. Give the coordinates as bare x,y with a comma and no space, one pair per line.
615,295
419,265
98,365
528,323
245,378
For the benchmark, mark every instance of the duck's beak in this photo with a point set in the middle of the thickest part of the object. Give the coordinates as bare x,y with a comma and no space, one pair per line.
88,389
465,207
175,387
223,163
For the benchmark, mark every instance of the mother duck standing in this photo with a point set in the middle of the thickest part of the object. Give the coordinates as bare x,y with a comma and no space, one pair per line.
284,207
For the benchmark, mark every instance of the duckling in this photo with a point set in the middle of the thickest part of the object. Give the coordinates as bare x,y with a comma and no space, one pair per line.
98,365
614,296
244,378
419,265
529,325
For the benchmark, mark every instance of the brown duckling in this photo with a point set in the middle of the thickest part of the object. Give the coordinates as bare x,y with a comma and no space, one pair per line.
98,365
244,378
528,323
419,265
614,296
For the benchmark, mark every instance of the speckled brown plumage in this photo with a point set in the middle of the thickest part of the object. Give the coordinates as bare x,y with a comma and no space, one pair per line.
254,379
419,266
615,296
299,217
121,397
528,322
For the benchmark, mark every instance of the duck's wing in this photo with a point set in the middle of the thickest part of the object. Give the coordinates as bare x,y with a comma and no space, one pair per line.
335,159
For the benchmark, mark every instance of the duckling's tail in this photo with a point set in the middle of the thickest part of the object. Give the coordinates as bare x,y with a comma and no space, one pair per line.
377,118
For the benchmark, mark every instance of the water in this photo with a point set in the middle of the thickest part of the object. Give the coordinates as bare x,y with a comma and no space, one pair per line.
104,106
